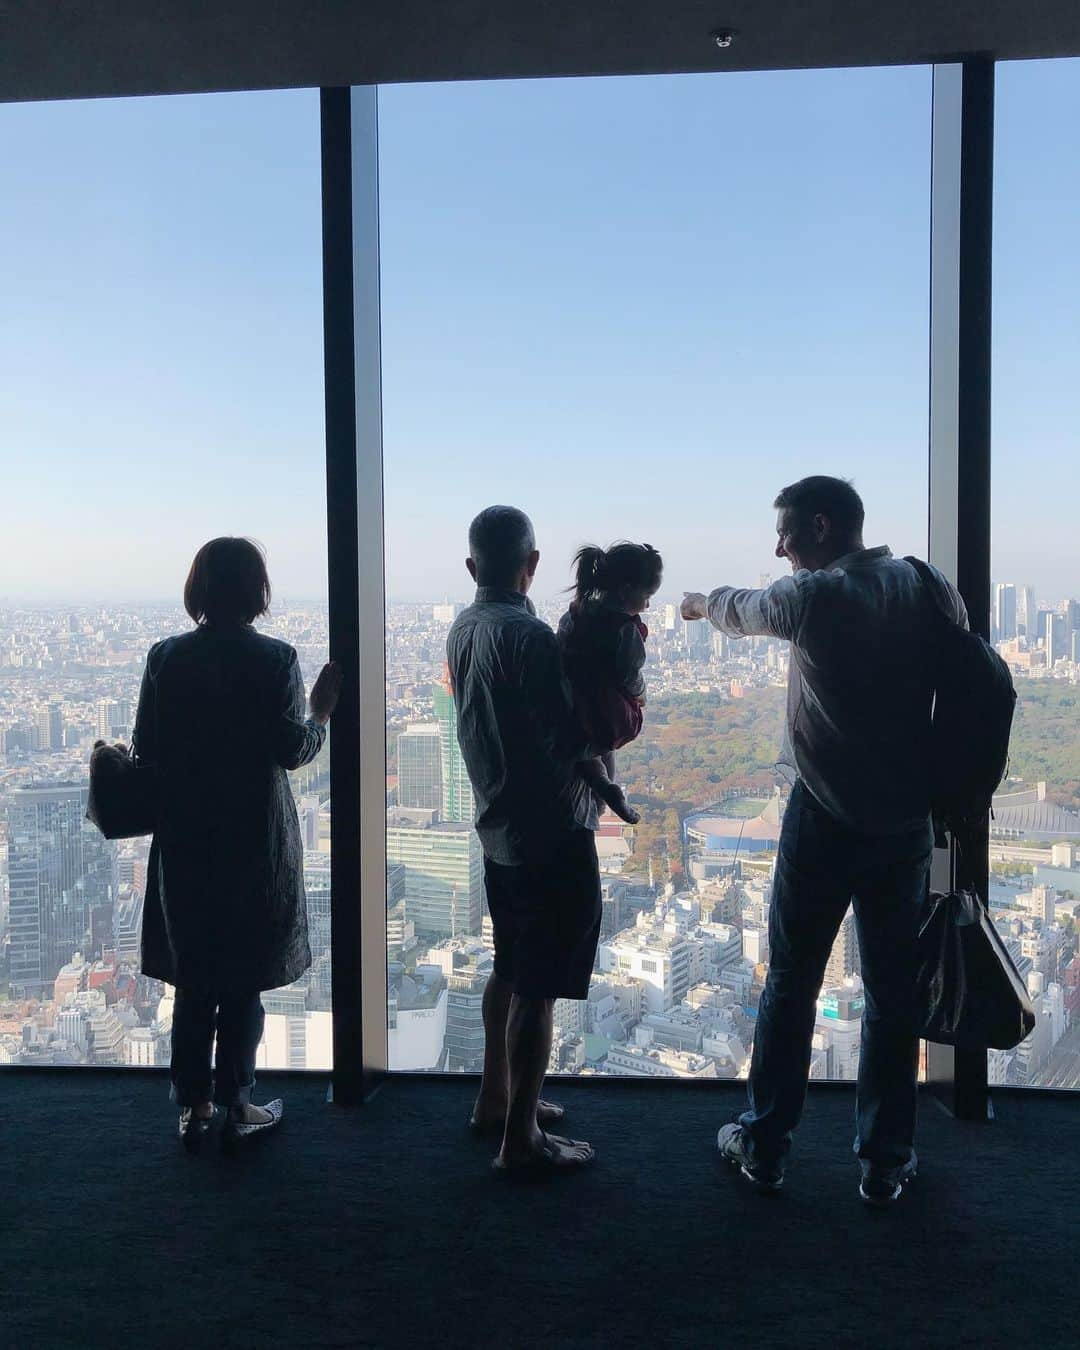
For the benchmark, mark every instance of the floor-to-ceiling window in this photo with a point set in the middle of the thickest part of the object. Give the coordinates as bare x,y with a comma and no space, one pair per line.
160,383
637,308
1035,600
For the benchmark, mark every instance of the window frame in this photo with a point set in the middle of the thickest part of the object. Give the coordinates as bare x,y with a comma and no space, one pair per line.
958,526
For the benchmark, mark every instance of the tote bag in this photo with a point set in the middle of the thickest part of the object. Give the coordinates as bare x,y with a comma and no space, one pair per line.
122,799
970,993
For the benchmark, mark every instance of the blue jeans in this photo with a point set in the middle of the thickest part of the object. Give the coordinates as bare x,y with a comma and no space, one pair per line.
822,868
238,1020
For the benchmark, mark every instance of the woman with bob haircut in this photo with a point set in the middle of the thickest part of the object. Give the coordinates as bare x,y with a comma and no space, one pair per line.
221,720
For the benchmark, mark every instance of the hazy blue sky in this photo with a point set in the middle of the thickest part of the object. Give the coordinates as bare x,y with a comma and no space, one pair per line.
635,307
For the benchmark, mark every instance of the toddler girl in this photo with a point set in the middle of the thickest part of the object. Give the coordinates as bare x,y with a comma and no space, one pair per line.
603,644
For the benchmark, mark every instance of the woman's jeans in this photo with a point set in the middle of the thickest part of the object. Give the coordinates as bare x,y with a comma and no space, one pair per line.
238,1019
821,869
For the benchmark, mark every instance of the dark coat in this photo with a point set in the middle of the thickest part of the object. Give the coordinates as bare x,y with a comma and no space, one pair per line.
221,718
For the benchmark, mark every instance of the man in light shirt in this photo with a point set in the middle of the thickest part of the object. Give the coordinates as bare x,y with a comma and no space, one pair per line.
857,828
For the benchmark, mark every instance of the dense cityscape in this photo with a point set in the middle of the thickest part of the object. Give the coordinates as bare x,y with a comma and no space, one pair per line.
71,901
684,944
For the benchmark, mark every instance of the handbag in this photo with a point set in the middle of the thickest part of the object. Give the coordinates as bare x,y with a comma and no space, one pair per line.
970,993
122,801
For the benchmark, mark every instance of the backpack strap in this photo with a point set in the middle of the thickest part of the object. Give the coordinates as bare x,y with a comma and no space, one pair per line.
931,590
938,619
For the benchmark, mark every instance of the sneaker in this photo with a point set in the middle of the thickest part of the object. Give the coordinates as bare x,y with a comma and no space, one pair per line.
236,1128
882,1186
731,1141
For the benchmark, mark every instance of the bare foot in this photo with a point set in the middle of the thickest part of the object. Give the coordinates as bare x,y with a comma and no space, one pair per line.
580,1147
486,1117
546,1153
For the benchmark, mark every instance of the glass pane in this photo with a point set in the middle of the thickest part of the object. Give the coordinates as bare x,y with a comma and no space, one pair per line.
637,308
1035,612
161,359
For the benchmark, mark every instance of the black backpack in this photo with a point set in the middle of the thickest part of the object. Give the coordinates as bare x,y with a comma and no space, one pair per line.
974,701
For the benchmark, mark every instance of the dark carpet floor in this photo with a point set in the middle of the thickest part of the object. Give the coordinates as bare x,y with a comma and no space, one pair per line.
384,1226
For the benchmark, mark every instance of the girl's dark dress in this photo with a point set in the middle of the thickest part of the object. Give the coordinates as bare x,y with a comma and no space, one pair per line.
222,717
603,655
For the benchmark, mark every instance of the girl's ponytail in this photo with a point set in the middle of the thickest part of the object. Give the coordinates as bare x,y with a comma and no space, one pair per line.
590,566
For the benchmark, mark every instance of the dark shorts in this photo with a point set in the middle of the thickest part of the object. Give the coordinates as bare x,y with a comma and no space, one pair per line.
546,917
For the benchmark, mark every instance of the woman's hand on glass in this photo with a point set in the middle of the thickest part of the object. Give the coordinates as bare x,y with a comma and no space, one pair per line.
325,692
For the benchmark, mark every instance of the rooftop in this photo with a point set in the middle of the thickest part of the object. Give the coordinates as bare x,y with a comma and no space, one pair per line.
766,825
1038,819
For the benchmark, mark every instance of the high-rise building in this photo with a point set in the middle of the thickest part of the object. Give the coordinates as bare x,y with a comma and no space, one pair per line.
101,930
127,923
618,908
1072,618
395,884
838,1030
317,890
105,1034
419,758
1053,636
105,714
113,718
59,868
755,944
50,726
464,1011
844,957
444,889
1004,611
416,1018
699,641
1026,613
660,960
308,810
20,736
457,793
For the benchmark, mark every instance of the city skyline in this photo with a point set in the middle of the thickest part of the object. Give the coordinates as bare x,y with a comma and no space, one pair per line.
684,945
71,902
636,307
463,595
